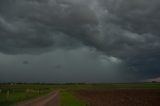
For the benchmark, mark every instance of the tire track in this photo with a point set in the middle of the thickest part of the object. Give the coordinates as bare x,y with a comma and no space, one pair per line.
51,99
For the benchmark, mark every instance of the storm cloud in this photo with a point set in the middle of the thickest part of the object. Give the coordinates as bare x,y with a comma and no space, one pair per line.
122,29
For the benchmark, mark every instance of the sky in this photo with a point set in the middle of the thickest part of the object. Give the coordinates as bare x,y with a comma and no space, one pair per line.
60,41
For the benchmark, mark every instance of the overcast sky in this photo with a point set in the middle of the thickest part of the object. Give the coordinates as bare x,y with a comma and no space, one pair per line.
79,40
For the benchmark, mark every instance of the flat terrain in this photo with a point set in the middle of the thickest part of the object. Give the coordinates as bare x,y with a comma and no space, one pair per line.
120,97
112,94
51,99
11,94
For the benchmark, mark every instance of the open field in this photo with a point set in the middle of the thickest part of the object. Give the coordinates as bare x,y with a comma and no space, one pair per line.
131,94
120,97
134,94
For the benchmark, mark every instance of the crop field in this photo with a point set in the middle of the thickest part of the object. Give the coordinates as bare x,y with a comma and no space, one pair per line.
131,94
134,94
120,97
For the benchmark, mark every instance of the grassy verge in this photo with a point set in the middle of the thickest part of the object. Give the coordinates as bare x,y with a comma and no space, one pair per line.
67,99
14,98
10,95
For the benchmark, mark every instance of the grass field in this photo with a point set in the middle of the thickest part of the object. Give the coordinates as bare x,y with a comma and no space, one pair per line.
81,94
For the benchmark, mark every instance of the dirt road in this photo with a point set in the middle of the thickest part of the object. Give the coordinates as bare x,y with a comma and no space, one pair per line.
51,99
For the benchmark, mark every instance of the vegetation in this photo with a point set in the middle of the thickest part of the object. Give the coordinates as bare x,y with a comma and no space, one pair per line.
67,99
13,93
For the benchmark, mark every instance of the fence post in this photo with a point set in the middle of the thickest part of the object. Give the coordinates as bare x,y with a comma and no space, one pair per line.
7,95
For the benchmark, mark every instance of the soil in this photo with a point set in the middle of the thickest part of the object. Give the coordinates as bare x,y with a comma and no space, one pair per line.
51,99
120,97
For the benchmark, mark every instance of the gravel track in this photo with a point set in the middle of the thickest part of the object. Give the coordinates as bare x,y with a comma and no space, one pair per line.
51,99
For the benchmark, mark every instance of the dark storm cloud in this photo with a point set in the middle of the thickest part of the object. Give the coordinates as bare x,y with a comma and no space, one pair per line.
125,29
76,65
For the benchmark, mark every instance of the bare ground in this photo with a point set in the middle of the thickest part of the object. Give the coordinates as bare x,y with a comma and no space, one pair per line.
120,97
51,99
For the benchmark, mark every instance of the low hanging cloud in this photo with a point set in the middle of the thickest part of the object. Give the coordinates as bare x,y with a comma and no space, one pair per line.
76,65
123,29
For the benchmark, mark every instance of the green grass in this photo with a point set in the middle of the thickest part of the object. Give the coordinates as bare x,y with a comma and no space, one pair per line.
67,99
110,86
14,98
128,86
11,94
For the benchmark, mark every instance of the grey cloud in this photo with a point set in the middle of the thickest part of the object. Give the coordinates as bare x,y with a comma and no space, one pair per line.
78,65
125,29
34,24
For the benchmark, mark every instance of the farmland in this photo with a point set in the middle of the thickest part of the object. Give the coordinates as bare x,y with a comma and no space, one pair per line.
120,97
131,94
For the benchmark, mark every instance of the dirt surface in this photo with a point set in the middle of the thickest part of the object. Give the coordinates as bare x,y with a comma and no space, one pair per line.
51,99
120,97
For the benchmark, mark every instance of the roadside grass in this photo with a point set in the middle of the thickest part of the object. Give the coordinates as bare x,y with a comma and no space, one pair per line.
15,97
10,95
68,99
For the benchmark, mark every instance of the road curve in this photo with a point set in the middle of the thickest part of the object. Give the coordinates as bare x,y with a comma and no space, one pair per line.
51,99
